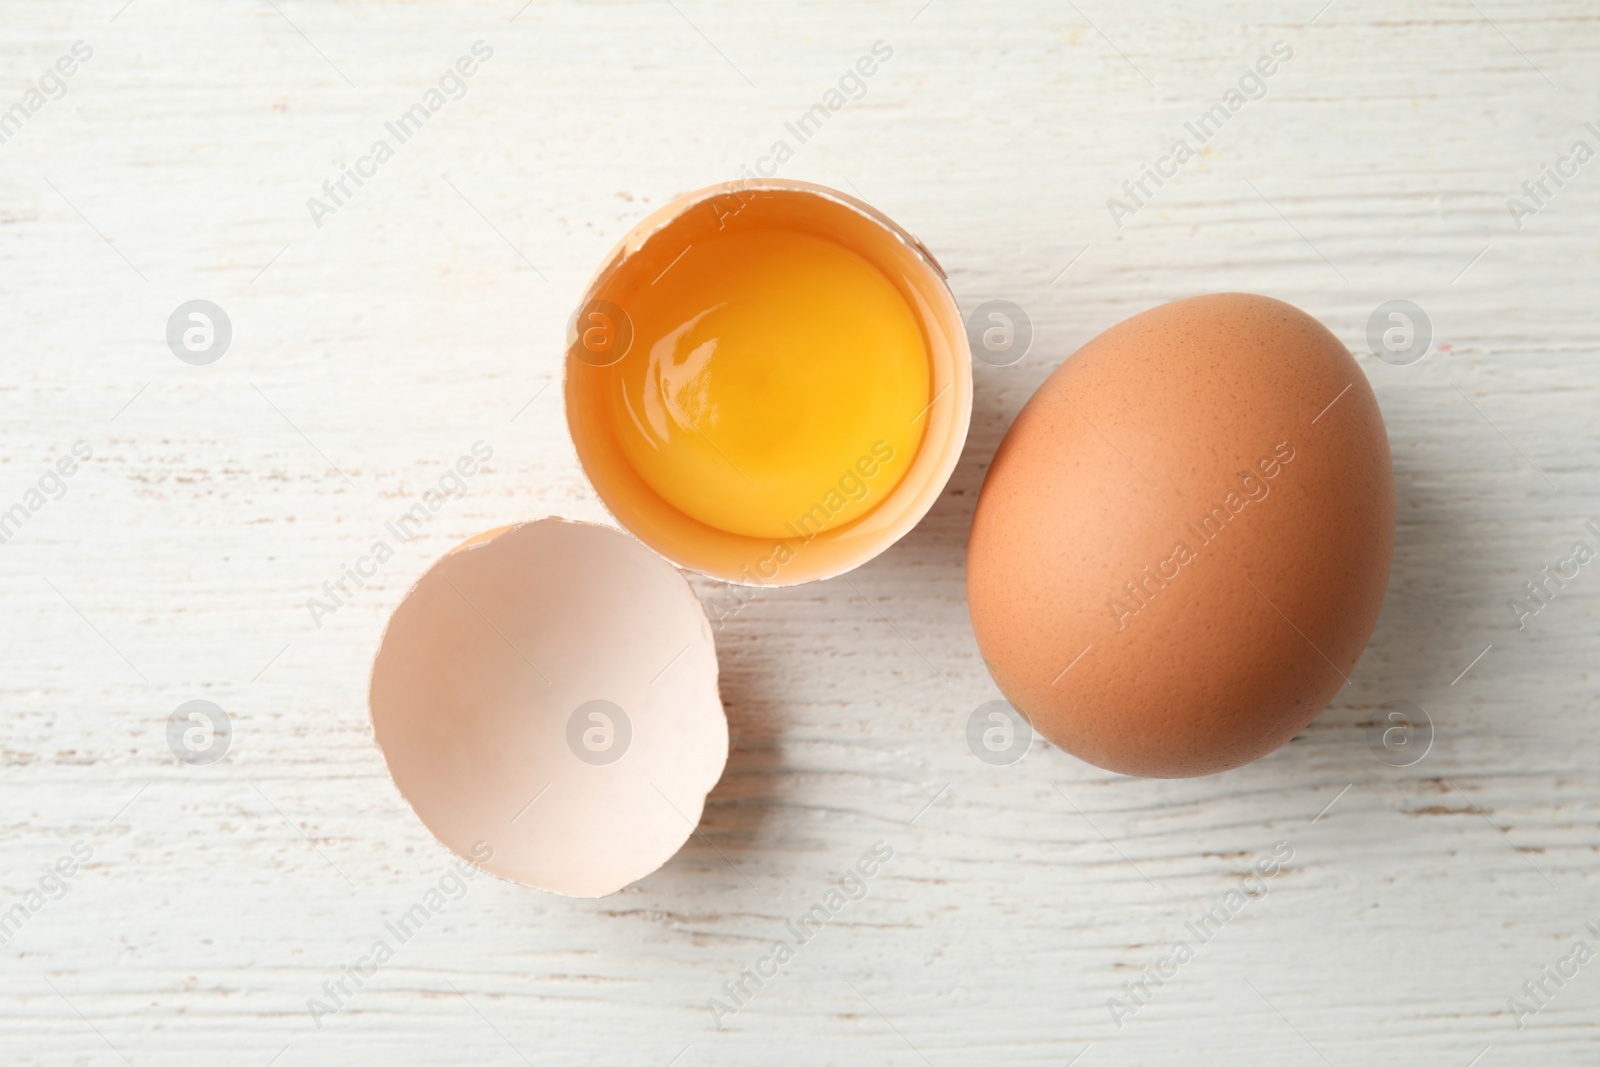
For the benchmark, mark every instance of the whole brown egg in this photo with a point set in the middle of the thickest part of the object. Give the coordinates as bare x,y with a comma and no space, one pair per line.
1182,545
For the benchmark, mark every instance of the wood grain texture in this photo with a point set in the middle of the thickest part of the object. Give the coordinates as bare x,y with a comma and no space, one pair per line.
427,314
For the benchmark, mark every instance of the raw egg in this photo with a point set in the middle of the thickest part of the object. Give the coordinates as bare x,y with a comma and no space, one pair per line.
768,382
1183,542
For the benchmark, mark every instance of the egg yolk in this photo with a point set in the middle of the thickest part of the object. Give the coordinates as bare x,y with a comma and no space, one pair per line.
776,385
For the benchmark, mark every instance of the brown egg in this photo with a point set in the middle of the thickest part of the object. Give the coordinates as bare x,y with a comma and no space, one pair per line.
1182,545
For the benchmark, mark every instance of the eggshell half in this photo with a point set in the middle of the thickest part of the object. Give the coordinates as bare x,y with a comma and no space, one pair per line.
546,695
1182,545
648,249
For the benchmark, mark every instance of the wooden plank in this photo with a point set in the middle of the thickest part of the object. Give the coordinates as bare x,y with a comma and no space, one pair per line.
427,312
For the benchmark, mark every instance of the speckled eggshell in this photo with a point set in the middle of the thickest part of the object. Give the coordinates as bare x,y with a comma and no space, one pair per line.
1182,545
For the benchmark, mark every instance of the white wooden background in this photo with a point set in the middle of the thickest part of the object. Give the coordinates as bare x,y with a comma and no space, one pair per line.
429,313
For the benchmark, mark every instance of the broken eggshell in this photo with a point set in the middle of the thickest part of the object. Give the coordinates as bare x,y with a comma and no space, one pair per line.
550,690
650,247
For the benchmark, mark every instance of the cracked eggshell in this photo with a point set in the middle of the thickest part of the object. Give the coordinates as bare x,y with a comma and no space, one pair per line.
549,690
651,246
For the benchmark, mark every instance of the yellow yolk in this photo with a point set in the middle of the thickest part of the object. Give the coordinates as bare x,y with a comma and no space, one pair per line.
776,385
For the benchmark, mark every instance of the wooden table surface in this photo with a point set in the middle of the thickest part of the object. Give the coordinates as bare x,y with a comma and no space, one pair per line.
208,906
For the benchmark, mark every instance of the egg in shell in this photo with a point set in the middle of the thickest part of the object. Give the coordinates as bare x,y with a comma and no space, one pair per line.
1182,545
768,381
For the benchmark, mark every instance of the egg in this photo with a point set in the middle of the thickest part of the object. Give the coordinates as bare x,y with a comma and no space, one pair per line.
1182,545
768,381
545,698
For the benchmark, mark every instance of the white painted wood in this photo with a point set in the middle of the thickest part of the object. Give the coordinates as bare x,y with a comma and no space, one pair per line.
427,314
